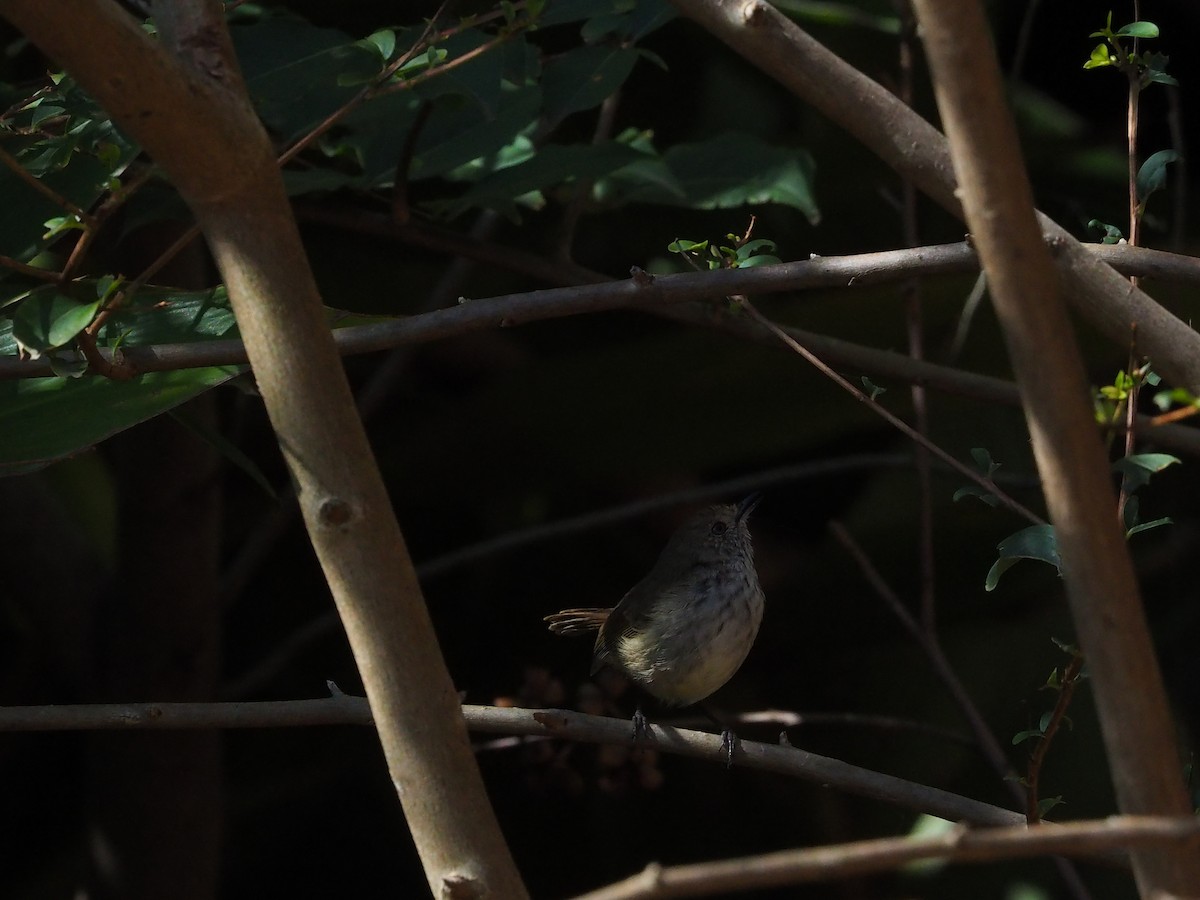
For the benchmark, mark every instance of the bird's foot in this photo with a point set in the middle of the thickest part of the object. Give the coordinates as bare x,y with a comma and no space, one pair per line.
641,725
729,741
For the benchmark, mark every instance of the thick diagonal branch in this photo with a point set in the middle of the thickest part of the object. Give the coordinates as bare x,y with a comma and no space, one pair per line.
918,151
1101,587
184,101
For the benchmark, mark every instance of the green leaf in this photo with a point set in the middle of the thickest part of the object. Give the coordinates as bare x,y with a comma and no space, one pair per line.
384,42
984,462
1156,76
1164,399
298,74
45,419
553,165
1046,804
751,247
1065,646
462,137
1101,56
47,319
1112,234
762,259
1035,542
730,170
1138,30
1155,69
1138,468
582,78
1152,176
749,255
1021,736
873,390
1146,526
972,490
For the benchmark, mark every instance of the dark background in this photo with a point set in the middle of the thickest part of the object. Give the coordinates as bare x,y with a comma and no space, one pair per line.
489,434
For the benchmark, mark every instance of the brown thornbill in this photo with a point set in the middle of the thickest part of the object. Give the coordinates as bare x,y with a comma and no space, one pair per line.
685,629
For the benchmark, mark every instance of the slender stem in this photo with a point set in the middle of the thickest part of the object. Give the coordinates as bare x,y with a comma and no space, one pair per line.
1067,684
916,347
14,165
966,471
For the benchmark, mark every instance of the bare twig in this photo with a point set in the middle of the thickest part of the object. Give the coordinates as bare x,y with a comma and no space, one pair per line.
1068,681
895,421
984,739
820,272
861,858
911,291
14,165
557,723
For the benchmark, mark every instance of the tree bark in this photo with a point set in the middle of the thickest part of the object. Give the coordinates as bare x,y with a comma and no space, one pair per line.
1101,587
183,99
918,151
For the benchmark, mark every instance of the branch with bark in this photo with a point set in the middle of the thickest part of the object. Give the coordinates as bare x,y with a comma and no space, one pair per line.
1101,587
183,100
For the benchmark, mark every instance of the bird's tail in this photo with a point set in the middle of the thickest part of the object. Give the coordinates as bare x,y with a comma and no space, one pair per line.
573,622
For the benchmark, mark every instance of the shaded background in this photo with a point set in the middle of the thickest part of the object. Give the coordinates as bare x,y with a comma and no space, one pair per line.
113,553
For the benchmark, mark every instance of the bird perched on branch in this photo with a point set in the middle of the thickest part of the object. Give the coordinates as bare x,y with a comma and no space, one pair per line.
685,629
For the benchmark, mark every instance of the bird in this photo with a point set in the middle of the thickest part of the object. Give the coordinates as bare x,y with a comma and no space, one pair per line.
683,630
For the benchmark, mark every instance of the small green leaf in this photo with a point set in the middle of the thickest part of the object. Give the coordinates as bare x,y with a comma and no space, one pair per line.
384,41
56,226
1112,234
1065,646
751,247
1045,720
762,259
1100,57
1152,176
1155,69
1021,736
973,490
1034,542
873,389
984,462
1146,526
1106,31
1156,76
1164,399
48,319
1138,468
43,112
1138,30
1047,804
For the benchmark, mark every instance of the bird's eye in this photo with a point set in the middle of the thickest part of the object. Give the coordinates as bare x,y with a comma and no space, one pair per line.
719,528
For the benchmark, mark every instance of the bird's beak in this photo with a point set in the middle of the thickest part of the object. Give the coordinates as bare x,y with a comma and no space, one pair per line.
747,506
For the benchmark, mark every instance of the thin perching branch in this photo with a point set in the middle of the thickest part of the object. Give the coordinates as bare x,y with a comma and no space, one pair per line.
860,858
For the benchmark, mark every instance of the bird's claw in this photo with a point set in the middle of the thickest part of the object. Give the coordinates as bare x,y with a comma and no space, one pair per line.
729,741
641,726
